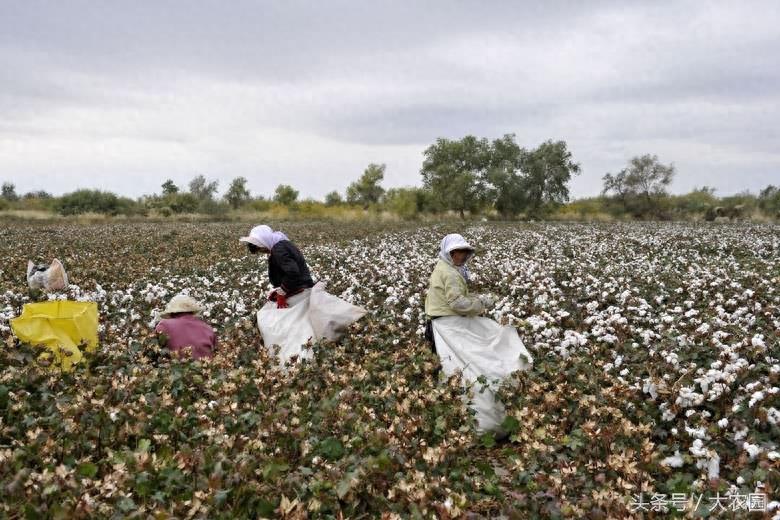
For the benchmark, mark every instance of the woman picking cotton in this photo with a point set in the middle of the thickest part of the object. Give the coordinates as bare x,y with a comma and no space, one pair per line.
298,310
287,269
466,342
181,328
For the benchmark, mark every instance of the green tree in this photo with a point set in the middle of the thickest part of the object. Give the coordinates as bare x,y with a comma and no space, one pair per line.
202,190
769,201
641,187
546,172
333,199
407,203
285,195
455,173
366,190
9,192
169,188
505,183
237,194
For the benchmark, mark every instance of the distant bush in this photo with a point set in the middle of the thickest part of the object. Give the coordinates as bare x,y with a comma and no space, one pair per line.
95,201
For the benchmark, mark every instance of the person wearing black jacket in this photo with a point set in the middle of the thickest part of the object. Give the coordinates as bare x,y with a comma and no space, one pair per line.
287,268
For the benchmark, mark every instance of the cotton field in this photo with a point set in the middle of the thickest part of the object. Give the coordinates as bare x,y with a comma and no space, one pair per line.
655,388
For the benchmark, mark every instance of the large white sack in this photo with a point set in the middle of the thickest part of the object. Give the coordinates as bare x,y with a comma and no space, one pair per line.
477,347
313,314
289,328
330,315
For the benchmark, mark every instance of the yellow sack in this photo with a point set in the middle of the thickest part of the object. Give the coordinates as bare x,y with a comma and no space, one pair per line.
61,326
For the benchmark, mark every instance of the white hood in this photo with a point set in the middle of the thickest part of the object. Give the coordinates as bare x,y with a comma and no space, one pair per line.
449,244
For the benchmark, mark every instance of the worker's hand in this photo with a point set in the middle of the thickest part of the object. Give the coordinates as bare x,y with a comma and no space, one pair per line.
281,301
275,293
487,301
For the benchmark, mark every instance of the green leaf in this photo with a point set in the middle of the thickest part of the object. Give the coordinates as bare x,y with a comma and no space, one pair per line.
87,470
510,424
331,448
343,487
265,509
126,505
273,470
488,440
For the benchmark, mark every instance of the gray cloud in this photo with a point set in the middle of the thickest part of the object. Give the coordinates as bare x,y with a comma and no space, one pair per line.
121,95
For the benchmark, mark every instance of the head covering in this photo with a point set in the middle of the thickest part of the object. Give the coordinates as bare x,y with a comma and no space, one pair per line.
449,244
181,303
263,236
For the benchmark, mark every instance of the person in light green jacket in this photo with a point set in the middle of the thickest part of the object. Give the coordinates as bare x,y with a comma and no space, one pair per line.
448,292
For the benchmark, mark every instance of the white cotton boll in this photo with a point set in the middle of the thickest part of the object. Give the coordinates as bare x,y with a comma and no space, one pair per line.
773,455
650,388
675,461
741,481
698,433
697,449
758,341
752,449
723,423
756,397
713,466
739,435
773,415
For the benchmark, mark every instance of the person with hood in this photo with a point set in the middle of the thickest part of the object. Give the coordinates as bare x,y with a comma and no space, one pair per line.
448,292
181,328
478,348
287,268
298,311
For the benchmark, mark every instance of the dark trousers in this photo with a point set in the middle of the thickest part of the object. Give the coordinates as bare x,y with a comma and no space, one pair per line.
429,333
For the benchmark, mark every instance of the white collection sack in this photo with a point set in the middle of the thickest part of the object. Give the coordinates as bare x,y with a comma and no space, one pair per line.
480,347
48,278
312,314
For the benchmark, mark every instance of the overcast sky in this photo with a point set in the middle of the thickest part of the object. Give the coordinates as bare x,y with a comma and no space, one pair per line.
121,95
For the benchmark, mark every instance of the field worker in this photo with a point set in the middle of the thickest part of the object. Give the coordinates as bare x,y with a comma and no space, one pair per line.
478,348
181,328
287,268
448,292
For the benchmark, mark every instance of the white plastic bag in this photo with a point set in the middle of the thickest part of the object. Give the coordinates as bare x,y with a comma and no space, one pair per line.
289,328
312,314
51,278
330,315
477,347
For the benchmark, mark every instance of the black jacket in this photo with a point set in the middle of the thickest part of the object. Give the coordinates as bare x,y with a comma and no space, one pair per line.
287,268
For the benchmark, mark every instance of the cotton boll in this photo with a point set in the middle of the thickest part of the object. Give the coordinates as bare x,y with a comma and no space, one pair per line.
752,449
675,461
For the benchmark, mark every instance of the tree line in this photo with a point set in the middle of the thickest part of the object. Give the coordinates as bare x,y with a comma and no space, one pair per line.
466,177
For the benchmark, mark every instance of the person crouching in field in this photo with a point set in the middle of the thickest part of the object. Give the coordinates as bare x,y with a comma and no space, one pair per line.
481,350
448,292
181,328
287,268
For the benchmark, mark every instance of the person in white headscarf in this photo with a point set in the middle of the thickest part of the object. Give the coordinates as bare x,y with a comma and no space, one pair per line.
298,311
287,268
448,291
477,347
